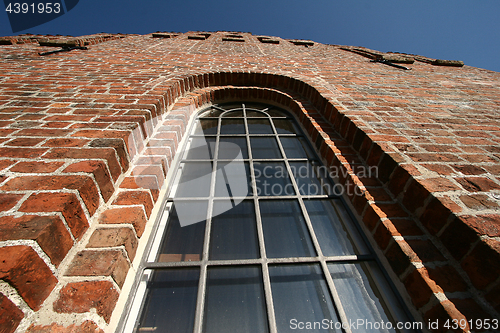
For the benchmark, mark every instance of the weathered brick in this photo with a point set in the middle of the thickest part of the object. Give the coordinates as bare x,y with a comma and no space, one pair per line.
478,202
421,287
80,297
22,268
100,263
87,327
444,312
447,278
10,315
111,237
48,231
107,154
135,198
458,238
415,196
132,215
84,184
36,167
100,172
483,263
22,152
66,203
477,184
9,200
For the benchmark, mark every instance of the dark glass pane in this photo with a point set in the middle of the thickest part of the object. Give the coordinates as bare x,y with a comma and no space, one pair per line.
201,148
285,126
232,126
359,295
329,230
265,148
234,231
251,113
235,301
308,178
300,294
276,113
185,232
259,126
272,179
233,179
232,114
171,301
354,234
296,147
194,180
230,148
206,126
285,231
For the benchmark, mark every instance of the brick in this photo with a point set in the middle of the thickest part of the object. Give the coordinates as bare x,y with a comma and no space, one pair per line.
36,167
48,231
434,157
458,238
425,250
478,202
87,327
441,169
132,215
435,215
406,227
6,163
100,172
386,167
135,198
439,185
10,315
447,278
123,136
22,268
119,146
421,287
100,263
400,255
372,216
398,181
22,152
66,203
65,142
107,154
84,184
469,169
112,237
483,263
151,170
392,210
8,200
477,184
384,233
471,310
415,196
441,313
80,297
24,142
43,132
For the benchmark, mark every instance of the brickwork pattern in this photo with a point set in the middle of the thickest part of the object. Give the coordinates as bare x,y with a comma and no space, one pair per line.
87,138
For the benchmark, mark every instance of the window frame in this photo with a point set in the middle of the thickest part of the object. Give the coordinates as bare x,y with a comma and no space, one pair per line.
136,299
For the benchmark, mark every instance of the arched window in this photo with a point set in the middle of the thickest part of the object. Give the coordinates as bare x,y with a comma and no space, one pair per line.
255,237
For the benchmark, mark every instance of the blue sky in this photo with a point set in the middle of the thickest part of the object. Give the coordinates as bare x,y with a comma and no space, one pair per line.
467,30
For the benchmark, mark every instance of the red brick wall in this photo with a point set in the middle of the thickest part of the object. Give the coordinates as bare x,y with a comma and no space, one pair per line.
87,138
